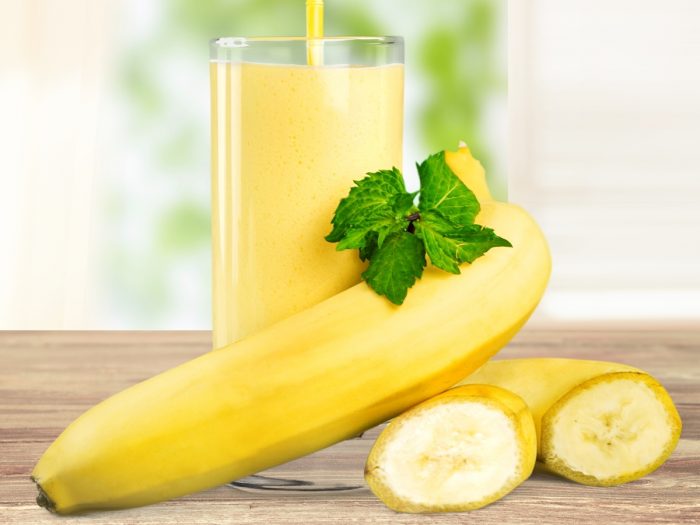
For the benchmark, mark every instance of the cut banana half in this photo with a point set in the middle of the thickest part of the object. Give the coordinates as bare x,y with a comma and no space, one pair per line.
599,423
458,451
610,430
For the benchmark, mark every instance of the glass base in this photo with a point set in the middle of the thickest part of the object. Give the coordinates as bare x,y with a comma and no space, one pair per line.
258,483
339,468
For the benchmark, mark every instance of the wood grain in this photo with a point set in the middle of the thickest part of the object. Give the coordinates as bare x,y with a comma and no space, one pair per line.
49,378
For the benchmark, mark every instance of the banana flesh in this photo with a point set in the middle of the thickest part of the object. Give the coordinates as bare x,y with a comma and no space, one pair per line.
598,423
458,451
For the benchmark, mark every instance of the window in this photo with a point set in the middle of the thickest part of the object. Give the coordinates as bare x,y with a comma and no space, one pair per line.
604,100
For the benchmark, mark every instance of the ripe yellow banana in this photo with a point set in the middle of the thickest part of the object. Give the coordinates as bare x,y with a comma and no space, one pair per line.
598,423
460,450
316,378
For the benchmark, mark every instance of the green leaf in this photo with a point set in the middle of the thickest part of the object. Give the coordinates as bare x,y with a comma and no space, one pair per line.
371,245
368,202
402,204
395,266
381,220
387,229
443,191
355,238
382,224
448,245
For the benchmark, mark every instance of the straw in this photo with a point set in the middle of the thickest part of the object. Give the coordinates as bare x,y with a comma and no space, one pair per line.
314,30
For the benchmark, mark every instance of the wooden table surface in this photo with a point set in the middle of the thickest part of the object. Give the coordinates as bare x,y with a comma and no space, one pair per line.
49,378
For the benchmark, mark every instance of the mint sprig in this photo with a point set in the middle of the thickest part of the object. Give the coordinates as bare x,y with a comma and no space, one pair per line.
381,220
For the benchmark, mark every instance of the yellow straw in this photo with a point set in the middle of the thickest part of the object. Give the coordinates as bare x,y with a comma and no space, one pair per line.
314,29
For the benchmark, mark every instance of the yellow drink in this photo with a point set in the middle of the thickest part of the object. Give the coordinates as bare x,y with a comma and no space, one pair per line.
288,141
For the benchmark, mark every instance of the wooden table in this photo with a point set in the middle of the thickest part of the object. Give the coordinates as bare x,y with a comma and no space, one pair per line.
49,378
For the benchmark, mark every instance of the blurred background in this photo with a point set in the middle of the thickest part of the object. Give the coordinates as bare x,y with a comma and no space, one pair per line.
587,113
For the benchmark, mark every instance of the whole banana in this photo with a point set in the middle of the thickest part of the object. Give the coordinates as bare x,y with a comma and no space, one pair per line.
316,378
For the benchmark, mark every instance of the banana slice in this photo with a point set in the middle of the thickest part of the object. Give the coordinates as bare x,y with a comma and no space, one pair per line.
610,430
599,423
461,450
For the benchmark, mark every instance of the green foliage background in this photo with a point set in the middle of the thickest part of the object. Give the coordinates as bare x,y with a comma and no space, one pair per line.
157,203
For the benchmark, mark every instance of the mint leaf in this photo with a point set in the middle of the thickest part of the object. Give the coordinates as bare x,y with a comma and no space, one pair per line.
395,266
367,203
371,245
448,245
381,224
378,204
443,191
402,204
355,238
381,220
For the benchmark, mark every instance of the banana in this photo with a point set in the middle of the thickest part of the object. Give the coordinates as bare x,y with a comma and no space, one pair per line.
307,382
598,423
458,451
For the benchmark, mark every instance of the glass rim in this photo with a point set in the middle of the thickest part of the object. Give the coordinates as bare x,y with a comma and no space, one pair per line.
237,42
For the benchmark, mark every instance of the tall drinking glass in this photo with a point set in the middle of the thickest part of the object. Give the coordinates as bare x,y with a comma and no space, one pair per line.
288,140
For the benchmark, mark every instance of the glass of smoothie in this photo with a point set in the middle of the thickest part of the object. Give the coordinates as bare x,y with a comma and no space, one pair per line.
294,122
